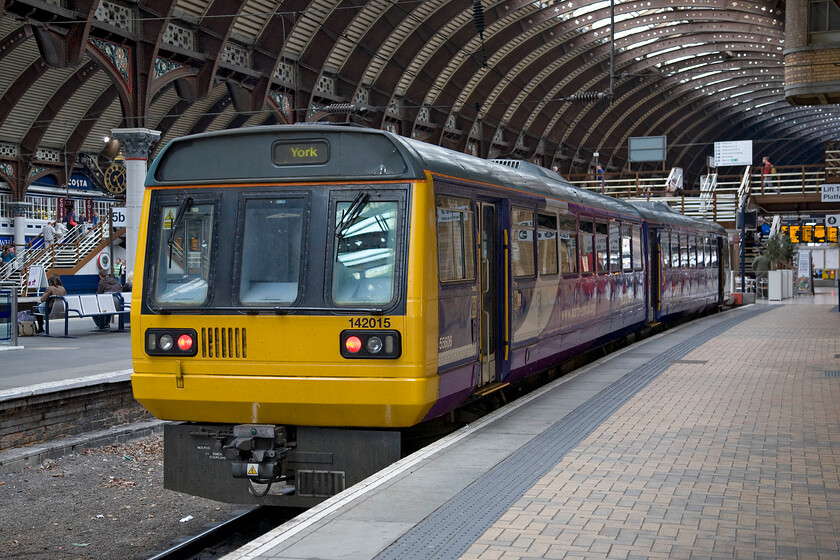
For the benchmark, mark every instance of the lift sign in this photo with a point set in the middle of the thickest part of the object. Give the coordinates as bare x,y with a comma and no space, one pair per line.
301,153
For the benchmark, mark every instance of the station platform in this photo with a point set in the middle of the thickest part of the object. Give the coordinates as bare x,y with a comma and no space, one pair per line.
43,364
716,439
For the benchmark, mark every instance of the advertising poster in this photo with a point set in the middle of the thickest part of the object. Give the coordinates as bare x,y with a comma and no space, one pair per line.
804,282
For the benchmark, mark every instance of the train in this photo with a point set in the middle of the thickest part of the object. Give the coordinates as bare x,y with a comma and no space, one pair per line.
303,294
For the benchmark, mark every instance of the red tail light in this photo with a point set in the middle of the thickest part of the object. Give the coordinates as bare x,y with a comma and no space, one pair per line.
353,344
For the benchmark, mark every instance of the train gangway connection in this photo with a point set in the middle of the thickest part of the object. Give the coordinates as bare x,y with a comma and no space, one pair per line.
716,439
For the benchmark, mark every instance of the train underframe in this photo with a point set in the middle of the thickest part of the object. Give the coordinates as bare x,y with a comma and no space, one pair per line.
294,466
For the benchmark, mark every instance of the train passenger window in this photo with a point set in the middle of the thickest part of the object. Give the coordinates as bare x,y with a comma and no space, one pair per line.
692,251
182,274
685,260
272,245
456,245
567,231
707,252
699,246
522,246
714,251
601,253
615,247
547,243
587,247
638,259
675,250
365,253
626,258
665,250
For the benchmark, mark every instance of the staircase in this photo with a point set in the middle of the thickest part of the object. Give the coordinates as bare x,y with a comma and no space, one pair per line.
77,247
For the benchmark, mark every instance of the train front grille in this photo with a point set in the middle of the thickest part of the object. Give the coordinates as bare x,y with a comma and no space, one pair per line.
223,343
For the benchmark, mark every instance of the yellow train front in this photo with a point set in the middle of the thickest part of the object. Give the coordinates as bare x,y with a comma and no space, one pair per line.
276,310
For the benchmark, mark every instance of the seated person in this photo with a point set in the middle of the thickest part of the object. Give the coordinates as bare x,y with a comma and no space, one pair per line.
107,284
55,288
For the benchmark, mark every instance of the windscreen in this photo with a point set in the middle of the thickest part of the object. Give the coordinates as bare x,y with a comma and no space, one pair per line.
185,246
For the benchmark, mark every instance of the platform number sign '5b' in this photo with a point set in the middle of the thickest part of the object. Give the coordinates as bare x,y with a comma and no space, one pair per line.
119,217
832,220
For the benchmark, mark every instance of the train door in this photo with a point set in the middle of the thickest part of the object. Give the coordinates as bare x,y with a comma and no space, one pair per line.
489,265
655,275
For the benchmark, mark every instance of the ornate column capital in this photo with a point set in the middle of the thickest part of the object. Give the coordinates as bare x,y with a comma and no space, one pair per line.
18,207
136,142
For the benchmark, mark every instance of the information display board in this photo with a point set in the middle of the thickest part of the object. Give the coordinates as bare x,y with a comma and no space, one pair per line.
810,233
647,148
733,153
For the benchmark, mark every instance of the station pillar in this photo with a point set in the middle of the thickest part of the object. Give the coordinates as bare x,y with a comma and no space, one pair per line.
135,144
18,211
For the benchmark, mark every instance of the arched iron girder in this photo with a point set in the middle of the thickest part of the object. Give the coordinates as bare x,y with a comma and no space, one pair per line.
212,34
540,62
668,92
19,87
682,34
564,33
621,59
80,133
32,139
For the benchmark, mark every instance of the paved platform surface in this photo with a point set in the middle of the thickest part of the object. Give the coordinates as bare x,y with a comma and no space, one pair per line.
717,439
44,362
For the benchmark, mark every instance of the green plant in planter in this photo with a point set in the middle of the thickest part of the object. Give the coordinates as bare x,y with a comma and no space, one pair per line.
780,251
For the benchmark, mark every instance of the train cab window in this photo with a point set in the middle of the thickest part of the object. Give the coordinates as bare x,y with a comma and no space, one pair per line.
547,243
365,252
587,246
615,247
675,250
272,245
456,245
601,254
626,253
638,260
522,246
182,274
567,232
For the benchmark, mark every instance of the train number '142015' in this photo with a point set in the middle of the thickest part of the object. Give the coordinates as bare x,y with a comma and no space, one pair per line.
370,322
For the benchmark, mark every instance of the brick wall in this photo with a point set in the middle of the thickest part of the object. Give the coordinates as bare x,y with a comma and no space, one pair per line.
40,418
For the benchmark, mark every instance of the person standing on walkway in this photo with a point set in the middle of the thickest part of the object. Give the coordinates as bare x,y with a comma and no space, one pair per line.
767,172
60,231
49,235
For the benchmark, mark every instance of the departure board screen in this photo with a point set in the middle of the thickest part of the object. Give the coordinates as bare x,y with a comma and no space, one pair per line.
819,234
811,233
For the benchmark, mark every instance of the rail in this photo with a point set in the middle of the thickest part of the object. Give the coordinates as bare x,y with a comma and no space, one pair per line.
718,203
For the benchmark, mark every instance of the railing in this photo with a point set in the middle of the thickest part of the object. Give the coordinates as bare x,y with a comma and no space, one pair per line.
718,204
74,246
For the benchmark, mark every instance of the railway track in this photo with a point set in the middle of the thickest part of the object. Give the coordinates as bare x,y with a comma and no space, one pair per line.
230,535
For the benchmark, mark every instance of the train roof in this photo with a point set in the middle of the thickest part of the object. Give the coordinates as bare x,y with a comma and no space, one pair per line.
329,152
661,213
352,153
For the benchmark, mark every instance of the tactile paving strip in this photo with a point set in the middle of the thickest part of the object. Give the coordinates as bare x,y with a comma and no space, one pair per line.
455,526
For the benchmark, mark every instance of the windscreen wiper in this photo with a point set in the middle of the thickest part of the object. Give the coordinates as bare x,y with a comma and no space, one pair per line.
351,214
179,217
